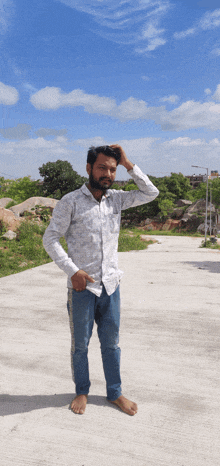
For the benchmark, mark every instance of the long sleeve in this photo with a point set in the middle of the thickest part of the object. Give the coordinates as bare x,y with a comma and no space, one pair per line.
57,228
147,191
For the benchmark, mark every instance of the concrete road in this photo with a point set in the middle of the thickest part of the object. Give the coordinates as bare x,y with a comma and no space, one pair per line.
170,329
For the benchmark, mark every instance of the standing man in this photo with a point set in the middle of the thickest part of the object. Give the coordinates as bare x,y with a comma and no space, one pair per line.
89,218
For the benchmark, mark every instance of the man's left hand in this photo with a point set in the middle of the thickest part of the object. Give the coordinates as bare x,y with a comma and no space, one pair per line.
123,160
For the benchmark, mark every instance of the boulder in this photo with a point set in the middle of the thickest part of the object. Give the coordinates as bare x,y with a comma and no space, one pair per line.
183,203
197,209
30,203
170,224
9,234
177,213
7,217
4,201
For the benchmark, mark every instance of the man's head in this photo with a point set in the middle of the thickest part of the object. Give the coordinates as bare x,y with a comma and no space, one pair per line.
101,167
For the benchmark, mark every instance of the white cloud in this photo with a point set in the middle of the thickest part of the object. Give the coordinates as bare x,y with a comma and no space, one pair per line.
131,109
216,52
210,20
216,95
8,95
183,34
85,143
52,98
207,91
191,115
156,156
188,115
6,7
128,22
171,98
22,158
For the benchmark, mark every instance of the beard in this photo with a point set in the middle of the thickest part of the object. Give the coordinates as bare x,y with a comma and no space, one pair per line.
100,184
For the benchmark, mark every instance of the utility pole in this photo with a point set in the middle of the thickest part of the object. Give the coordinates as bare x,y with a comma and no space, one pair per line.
206,201
210,228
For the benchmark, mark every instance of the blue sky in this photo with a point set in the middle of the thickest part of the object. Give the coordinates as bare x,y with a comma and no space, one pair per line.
141,73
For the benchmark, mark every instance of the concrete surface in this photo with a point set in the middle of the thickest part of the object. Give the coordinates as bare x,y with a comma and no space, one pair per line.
170,331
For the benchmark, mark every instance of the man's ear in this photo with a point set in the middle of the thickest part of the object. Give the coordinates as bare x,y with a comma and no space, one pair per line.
88,168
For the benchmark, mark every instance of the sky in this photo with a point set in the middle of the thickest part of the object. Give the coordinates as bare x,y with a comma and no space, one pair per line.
144,74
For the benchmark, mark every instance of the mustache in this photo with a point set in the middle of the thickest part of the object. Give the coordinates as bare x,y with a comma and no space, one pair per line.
104,179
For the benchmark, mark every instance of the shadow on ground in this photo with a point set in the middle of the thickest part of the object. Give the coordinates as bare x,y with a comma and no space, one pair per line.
14,404
213,267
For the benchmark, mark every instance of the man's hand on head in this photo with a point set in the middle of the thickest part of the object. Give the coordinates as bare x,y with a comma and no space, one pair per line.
79,280
123,160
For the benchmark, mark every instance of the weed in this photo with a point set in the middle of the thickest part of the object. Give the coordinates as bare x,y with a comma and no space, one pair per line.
133,242
210,244
10,204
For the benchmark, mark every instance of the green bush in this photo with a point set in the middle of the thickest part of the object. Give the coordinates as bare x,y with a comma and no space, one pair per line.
21,189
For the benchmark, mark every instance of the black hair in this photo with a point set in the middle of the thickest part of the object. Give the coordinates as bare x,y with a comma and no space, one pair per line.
93,153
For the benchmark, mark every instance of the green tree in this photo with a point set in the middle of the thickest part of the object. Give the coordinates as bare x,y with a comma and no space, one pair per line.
59,178
130,187
200,191
176,184
21,189
166,206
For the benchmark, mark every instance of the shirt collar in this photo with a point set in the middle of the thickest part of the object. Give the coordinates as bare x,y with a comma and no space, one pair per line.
86,191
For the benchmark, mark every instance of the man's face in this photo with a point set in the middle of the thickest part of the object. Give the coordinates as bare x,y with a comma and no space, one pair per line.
103,172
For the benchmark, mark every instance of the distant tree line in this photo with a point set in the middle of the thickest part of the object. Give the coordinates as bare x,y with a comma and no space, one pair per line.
59,178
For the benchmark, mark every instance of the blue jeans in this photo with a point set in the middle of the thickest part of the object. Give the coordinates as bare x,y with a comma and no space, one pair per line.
84,308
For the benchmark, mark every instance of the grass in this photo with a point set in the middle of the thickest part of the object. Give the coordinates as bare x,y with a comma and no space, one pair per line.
24,252
132,241
209,244
27,251
169,233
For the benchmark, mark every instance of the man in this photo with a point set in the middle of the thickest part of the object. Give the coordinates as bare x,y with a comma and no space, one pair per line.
89,218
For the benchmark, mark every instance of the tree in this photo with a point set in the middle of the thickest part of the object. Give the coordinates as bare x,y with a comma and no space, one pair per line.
59,179
166,206
200,191
21,189
176,184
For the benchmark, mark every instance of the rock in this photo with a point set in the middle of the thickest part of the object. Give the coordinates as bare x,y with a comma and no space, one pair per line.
9,234
197,208
183,203
170,224
177,213
7,217
147,221
23,264
4,201
30,203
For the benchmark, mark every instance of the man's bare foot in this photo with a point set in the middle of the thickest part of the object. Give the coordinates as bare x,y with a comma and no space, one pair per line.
126,405
78,405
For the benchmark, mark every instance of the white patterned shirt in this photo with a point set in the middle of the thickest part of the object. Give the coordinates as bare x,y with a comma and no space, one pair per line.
91,230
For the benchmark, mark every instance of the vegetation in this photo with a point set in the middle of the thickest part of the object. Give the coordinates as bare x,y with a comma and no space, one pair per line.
27,251
210,244
130,240
24,252
19,190
59,178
